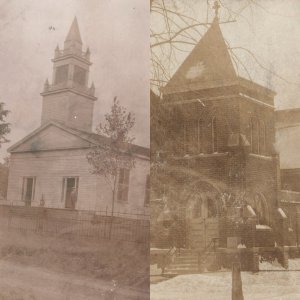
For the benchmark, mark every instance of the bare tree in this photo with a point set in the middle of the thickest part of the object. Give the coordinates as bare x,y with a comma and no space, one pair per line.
176,28
4,125
115,151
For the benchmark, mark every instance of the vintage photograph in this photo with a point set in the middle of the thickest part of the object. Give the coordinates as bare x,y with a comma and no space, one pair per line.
225,117
75,157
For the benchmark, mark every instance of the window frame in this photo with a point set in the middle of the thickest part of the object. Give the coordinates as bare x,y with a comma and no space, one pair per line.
147,191
214,135
79,74
254,134
190,144
64,187
24,188
200,138
65,76
262,137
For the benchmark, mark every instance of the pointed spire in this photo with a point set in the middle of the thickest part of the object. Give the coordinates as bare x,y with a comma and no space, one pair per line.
92,89
73,39
74,33
57,51
209,63
216,8
88,53
46,85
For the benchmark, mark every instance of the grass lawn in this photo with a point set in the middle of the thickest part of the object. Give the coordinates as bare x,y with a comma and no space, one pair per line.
125,262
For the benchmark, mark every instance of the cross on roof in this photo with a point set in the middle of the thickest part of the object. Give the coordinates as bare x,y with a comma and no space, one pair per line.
216,7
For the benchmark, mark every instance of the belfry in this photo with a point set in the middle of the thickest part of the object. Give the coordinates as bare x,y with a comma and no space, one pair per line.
69,99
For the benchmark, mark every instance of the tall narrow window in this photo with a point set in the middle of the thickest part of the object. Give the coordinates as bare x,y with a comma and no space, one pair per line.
123,185
28,190
254,136
61,74
200,136
262,137
190,137
147,191
214,135
79,75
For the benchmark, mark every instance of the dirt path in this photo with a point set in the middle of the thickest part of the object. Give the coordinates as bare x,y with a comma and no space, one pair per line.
34,283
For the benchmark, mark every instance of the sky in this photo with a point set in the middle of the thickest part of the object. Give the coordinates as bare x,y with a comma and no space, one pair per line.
117,33
269,29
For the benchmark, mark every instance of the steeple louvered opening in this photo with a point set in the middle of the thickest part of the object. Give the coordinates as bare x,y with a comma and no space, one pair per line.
69,99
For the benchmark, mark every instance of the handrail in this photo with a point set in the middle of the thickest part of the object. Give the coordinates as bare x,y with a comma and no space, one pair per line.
167,258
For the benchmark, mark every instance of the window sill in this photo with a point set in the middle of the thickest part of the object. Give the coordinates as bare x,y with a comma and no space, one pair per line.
201,155
265,157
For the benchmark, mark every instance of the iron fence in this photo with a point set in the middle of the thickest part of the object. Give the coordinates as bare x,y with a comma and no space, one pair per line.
97,225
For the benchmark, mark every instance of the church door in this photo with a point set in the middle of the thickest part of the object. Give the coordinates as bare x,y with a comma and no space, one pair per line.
28,190
203,226
68,184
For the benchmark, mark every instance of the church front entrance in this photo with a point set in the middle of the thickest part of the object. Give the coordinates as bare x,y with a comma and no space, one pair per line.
69,184
28,190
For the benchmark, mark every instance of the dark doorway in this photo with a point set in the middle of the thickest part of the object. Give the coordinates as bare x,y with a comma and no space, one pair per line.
69,183
28,190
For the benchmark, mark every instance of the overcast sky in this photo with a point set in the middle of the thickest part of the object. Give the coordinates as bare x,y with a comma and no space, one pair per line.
117,32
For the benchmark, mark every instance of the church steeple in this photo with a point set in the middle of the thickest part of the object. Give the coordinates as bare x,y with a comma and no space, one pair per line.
69,99
73,40
209,63
216,8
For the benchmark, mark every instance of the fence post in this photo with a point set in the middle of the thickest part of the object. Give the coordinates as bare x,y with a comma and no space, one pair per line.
237,289
9,218
297,229
105,222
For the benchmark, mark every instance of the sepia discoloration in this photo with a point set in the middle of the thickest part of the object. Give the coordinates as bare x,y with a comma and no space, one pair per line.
65,234
219,209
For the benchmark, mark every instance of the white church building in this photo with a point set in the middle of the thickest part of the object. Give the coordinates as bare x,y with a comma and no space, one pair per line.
49,162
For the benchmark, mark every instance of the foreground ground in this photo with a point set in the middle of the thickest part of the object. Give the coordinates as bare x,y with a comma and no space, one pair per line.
275,284
39,267
28,283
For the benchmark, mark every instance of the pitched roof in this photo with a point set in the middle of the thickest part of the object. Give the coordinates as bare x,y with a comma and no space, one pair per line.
92,138
74,33
209,61
100,139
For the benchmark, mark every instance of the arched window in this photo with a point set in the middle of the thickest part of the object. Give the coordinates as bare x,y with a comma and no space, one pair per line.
262,137
190,137
254,135
214,135
200,136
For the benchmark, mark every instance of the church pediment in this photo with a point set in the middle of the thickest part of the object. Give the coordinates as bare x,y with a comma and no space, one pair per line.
208,65
51,137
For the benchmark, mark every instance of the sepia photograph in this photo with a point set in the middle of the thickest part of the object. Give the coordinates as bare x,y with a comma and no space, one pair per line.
224,143
75,156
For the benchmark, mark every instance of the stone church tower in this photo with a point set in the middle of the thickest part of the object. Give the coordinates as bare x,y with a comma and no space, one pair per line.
69,100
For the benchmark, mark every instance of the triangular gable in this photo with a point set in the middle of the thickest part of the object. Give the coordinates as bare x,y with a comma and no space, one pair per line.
51,137
209,61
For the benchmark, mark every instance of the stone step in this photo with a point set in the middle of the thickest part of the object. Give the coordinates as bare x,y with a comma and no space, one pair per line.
184,265
182,271
186,260
187,251
188,255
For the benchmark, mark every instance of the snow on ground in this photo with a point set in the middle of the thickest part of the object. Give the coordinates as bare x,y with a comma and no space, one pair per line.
275,285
